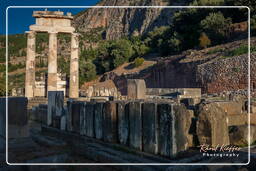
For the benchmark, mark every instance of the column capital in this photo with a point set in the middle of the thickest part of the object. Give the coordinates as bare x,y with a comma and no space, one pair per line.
30,32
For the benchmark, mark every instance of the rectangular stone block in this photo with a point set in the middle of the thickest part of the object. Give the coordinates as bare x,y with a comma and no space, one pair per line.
136,89
135,129
17,111
82,117
55,106
110,122
76,108
166,135
89,119
17,117
98,121
123,122
2,116
150,127
231,107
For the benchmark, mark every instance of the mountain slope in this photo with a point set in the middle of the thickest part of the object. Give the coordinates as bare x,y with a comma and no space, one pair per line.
118,22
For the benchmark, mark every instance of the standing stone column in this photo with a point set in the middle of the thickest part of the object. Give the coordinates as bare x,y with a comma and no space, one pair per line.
30,65
74,68
52,62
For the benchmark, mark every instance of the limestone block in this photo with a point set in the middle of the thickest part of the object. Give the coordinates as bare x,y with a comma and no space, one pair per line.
239,135
166,136
135,129
17,117
89,119
136,89
17,111
98,121
76,108
212,126
231,107
90,91
110,122
82,119
183,123
123,122
55,107
2,116
150,127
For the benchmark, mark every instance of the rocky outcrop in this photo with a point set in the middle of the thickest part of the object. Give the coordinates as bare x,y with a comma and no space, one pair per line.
118,22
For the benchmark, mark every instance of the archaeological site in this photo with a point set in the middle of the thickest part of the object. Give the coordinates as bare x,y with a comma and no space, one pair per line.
162,87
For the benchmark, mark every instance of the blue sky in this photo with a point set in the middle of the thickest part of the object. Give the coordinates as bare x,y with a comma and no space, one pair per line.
19,19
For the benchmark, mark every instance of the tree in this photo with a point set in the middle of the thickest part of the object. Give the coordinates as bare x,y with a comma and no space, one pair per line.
204,41
216,26
87,71
121,51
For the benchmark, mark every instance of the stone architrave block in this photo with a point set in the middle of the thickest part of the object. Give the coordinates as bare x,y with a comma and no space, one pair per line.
123,122
55,107
110,122
149,128
166,135
135,128
89,119
136,89
98,121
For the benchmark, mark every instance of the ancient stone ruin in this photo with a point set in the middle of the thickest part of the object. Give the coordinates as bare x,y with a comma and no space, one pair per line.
52,22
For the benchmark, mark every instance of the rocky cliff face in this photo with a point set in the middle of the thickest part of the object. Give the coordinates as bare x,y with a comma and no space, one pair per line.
118,22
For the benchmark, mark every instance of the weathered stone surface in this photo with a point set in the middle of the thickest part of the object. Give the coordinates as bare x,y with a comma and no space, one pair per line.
183,123
238,135
98,121
123,122
136,89
55,107
212,126
17,117
74,71
231,107
150,127
17,111
89,119
76,108
110,122
52,62
82,118
2,116
135,129
30,65
166,136
241,119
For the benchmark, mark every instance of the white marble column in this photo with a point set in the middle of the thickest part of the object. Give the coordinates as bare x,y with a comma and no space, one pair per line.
74,67
30,64
52,62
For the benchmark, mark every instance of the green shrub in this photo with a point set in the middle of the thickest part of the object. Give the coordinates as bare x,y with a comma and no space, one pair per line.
216,26
204,41
87,71
138,62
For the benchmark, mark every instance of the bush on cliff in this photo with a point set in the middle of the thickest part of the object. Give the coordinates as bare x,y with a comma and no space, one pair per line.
138,62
